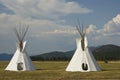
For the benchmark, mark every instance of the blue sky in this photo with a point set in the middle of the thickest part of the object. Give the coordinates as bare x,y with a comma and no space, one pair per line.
102,10
52,23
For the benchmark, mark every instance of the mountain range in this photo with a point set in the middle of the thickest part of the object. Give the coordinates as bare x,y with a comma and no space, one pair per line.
5,56
104,52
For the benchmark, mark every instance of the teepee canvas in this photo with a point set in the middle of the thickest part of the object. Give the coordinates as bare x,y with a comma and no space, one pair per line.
20,60
82,60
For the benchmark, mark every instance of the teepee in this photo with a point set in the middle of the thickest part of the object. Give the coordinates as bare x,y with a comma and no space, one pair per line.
82,60
20,60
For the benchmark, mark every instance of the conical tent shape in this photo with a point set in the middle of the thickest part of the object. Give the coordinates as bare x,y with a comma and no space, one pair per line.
20,61
82,59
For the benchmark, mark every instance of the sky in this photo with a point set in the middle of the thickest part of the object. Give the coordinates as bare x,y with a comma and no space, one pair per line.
52,23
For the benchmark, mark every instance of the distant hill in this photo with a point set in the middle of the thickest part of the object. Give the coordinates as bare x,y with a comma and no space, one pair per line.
55,55
5,56
105,52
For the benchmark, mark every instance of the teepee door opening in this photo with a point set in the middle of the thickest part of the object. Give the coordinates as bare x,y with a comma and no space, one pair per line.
84,66
20,66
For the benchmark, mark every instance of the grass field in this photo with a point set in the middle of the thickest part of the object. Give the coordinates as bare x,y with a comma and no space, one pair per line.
55,70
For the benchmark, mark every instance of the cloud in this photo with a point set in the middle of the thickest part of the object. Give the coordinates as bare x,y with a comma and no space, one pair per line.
45,8
65,31
42,33
4,9
45,32
37,26
109,34
113,25
91,29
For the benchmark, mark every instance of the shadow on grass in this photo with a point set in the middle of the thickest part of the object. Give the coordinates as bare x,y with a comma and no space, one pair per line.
41,69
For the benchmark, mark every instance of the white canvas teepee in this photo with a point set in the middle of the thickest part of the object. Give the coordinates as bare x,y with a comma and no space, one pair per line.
82,59
20,61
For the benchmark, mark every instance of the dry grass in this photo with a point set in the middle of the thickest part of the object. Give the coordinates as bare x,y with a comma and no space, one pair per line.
55,70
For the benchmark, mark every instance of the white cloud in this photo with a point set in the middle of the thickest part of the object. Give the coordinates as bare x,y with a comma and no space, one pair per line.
44,8
109,34
50,29
41,31
91,29
45,32
37,26
66,31
113,25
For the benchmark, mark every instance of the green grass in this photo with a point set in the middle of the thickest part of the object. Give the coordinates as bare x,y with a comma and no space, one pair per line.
55,70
